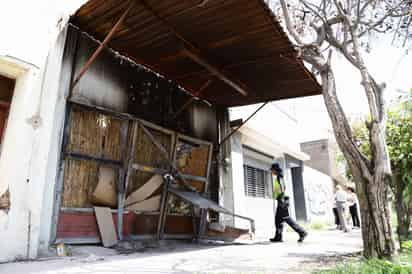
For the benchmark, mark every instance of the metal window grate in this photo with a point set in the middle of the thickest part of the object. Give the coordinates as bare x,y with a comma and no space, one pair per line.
255,182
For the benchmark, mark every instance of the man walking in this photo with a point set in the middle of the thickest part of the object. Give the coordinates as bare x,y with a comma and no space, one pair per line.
282,210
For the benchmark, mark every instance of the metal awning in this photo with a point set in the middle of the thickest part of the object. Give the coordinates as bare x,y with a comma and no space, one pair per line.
196,199
199,201
229,52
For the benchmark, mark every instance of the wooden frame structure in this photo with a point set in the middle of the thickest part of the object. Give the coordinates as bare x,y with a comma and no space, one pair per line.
125,166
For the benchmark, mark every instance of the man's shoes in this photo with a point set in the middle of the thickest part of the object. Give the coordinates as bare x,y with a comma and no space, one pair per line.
275,240
302,236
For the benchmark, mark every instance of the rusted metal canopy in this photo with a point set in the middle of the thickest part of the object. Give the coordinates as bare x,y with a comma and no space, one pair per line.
238,44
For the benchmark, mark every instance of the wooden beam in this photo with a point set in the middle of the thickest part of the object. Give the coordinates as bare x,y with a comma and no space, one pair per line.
101,46
191,99
235,84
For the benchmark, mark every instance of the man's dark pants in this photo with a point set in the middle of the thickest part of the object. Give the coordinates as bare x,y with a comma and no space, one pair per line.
292,223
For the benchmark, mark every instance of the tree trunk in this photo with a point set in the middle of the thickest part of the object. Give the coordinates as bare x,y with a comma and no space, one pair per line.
402,210
372,181
376,225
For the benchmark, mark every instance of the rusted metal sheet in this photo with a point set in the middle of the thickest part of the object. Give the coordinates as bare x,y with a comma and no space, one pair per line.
240,37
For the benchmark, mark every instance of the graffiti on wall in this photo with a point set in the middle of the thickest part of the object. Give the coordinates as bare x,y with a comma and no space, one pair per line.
319,194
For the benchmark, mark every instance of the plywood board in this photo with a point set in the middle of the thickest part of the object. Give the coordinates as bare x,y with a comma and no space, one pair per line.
151,204
145,191
192,159
106,226
105,193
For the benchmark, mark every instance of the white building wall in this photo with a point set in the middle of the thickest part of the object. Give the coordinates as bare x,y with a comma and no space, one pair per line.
319,196
15,161
276,120
29,158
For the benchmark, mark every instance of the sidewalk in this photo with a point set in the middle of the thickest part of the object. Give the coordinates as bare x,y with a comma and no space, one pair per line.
260,257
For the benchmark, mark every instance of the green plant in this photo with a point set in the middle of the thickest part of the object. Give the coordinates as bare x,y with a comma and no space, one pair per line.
400,265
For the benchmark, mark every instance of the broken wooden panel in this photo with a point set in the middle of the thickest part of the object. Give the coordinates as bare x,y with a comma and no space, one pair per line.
80,180
145,191
149,205
94,134
147,154
192,158
105,193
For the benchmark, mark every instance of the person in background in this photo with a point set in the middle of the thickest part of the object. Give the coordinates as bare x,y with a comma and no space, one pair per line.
353,207
335,214
341,199
282,210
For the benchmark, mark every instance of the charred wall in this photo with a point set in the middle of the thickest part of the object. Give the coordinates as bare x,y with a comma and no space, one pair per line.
117,83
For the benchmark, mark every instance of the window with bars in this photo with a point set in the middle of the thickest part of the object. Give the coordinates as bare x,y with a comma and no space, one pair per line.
256,182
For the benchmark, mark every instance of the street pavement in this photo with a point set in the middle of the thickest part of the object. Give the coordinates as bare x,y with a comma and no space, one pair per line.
178,257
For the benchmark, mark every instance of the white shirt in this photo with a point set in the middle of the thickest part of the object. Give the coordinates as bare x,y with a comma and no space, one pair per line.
352,200
341,196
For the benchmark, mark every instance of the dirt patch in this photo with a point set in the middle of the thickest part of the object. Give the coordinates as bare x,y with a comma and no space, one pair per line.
324,262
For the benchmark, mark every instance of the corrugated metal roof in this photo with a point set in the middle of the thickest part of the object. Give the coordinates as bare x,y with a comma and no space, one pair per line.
242,38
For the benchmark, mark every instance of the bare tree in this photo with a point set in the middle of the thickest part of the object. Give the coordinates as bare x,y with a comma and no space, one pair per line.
341,26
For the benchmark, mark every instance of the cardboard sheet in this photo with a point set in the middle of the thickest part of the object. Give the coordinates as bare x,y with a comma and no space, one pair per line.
144,191
106,226
151,204
105,193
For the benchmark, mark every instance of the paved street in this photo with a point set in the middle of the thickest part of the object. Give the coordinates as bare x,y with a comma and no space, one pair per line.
260,257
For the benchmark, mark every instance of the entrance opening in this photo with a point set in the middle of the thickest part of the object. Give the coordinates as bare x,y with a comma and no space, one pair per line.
6,94
299,193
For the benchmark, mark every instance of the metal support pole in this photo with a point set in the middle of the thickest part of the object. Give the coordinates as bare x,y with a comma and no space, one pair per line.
163,207
101,46
202,224
236,129
121,179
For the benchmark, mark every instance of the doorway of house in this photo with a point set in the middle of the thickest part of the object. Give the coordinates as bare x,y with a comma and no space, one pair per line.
299,193
6,94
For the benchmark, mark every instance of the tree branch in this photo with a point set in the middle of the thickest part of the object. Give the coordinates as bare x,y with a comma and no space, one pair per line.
289,24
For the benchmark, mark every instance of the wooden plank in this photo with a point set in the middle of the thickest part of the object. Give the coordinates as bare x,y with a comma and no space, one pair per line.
151,204
106,226
145,191
218,72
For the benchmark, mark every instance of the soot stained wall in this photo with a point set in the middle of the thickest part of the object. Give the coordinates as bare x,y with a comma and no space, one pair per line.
116,83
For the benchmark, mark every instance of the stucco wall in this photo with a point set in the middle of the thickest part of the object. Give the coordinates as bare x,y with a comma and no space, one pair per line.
319,195
260,209
14,164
